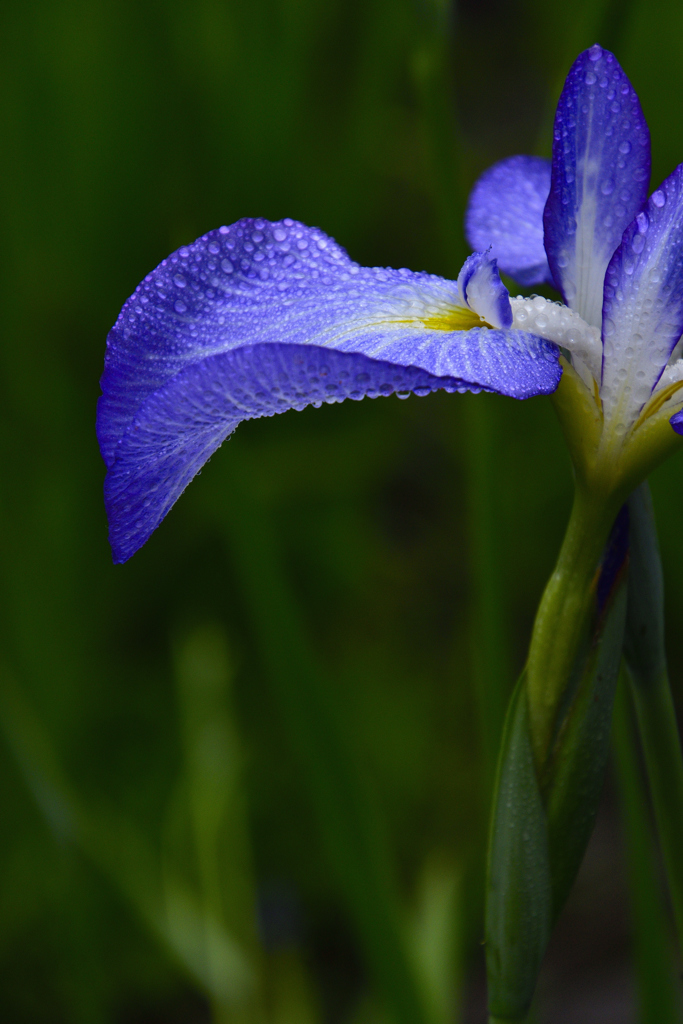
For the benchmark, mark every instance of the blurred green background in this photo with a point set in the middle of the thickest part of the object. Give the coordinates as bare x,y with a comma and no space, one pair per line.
245,776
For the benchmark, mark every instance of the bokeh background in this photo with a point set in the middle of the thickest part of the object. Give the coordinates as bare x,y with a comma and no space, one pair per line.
245,776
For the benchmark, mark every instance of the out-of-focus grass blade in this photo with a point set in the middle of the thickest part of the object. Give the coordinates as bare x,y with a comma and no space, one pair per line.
658,997
211,803
164,901
435,935
348,822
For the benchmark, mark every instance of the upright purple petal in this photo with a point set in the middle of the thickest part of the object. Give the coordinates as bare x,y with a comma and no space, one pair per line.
260,318
600,175
505,214
643,305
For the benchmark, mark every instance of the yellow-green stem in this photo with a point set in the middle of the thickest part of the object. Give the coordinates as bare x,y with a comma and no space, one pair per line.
563,614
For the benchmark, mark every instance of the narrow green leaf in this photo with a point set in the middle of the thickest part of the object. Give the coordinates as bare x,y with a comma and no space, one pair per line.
544,815
658,997
573,779
646,660
519,900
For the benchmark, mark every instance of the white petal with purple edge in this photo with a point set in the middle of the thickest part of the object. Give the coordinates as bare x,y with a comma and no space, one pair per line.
480,285
600,174
643,305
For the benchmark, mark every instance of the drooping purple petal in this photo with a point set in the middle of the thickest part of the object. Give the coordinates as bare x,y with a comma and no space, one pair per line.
600,175
643,304
222,330
180,426
261,282
480,285
505,213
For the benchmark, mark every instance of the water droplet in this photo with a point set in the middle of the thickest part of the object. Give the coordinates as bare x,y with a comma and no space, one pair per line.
403,394
214,247
227,266
625,147
590,78
658,198
179,281
607,188
179,306
595,52
362,378
638,244
643,222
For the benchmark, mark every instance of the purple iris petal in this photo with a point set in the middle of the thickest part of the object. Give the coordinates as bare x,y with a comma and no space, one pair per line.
600,175
259,318
182,424
505,213
643,305
481,288
676,421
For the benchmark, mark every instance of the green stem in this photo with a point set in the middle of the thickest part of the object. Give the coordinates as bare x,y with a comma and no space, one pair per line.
664,762
563,615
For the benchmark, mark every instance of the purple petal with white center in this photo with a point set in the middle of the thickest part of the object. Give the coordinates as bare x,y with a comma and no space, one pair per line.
480,286
259,318
600,175
505,214
643,304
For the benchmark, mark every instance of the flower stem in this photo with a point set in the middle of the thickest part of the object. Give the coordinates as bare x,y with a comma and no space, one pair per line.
563,615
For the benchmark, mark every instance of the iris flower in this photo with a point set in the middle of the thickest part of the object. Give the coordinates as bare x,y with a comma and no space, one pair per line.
260,317
584,224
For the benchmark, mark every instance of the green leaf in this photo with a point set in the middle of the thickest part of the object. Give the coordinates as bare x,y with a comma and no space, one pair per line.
544,815
519,900
573,779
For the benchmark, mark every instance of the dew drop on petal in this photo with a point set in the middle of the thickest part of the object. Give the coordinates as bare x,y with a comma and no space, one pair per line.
658,198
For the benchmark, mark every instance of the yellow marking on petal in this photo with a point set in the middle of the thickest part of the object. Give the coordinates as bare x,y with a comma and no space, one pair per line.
657,401
598,399
456,319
